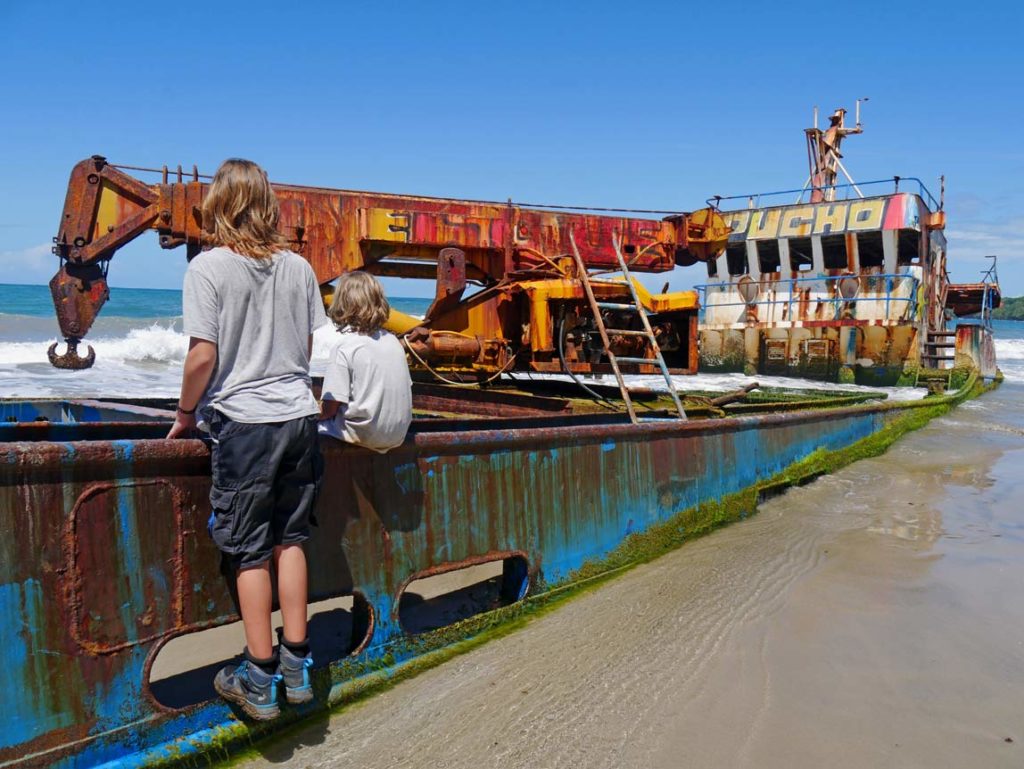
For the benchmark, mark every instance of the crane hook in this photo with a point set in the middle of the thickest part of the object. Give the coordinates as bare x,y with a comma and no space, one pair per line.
71,359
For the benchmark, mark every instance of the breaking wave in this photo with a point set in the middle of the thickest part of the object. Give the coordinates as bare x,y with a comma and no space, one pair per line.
143,357
1010,357
1010,349
143,361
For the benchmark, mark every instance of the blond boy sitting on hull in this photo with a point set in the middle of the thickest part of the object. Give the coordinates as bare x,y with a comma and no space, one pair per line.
367,391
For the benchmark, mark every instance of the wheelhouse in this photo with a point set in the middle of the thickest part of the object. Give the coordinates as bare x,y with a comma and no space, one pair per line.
839,289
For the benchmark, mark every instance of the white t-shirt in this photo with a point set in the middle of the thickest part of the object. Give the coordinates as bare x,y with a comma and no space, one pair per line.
368,375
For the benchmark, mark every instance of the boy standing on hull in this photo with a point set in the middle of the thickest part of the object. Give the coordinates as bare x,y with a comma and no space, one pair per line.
250,308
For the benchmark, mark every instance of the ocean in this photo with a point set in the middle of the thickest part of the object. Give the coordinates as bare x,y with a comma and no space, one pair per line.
137,337
140,349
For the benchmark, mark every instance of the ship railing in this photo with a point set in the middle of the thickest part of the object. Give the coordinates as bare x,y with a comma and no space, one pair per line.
876,188
983,318
900,292
990,287
990,279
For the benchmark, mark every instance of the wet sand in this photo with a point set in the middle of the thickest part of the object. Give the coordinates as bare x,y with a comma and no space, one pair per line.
874,618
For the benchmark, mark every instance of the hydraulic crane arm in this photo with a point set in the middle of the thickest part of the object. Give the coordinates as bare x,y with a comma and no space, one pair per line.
340,230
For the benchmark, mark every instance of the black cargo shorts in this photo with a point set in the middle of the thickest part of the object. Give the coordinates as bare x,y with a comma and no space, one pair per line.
266,477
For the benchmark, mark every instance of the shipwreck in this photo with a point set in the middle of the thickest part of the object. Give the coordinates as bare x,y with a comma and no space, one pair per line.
538,485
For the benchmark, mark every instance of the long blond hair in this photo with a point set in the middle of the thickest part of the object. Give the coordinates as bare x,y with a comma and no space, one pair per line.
359,303
240,210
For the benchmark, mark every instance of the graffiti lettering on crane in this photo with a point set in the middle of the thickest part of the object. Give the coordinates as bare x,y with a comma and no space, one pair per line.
429,227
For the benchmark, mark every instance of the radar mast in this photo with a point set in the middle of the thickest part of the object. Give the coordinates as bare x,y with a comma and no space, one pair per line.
824,157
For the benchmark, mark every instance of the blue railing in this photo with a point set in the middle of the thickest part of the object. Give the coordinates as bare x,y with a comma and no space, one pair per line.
842,192
991,280
837,300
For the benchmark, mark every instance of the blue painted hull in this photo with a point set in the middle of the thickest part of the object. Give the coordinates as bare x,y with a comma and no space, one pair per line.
106,556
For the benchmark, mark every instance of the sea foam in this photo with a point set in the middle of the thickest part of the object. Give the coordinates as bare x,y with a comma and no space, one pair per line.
143,358
145,361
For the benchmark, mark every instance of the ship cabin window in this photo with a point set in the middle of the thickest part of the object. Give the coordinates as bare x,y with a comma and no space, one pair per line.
833,251
908,247
768,259
712,265
801,257
736,258
869,247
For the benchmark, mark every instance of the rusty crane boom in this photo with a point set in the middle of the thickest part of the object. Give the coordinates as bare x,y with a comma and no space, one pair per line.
511,281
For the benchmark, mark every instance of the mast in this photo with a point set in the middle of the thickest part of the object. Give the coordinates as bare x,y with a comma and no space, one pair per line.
823,154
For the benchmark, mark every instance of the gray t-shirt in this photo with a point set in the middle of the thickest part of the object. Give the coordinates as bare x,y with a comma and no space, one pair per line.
369,376
259,313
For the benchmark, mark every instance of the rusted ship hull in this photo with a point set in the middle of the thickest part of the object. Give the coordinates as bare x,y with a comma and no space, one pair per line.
107,559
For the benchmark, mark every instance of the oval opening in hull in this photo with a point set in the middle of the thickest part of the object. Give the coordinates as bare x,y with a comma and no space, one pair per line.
183,670
454,592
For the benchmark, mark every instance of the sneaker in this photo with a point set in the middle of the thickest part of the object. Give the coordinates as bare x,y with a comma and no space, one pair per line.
295,672
251,689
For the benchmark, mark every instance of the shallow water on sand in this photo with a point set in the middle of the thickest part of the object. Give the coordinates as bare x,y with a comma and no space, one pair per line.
872,618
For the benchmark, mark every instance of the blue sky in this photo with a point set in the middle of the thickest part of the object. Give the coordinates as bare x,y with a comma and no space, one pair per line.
648,105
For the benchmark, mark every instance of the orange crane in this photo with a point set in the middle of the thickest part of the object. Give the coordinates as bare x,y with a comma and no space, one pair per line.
517,287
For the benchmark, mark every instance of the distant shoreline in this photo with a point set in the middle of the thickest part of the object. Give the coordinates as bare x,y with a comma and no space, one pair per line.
1011,308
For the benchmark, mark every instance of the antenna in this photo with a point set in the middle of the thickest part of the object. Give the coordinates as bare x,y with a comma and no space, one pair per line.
857,112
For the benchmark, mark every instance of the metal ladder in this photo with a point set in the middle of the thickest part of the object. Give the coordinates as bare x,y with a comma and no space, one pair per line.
647,332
